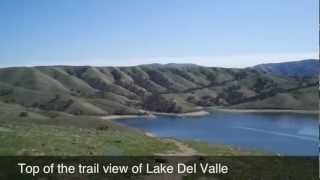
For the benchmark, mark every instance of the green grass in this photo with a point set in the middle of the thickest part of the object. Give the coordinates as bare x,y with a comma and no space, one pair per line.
33,139
222,150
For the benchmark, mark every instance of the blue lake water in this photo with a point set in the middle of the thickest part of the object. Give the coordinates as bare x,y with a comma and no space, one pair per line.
281,133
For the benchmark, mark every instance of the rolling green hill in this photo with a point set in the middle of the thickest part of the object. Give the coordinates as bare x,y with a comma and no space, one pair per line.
86,90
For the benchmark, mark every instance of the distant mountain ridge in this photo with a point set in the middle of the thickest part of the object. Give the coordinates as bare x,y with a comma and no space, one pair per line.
173,88
308,67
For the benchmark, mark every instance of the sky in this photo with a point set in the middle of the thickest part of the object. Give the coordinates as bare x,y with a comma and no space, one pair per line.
227,33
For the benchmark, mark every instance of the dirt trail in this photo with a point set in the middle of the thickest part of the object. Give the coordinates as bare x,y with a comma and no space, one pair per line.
2,129
183,149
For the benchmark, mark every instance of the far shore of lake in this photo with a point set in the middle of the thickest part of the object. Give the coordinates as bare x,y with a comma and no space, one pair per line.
114,117
155,114
315,112
187,114
151,115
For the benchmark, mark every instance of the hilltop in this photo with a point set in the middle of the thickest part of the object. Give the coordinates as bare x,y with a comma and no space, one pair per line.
309,67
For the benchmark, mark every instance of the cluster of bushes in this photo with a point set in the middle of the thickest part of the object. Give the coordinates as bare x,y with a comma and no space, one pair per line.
4,92
158,103
23,114
263,85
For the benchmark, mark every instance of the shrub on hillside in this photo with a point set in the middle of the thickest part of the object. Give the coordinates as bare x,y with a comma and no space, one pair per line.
159,103
23,114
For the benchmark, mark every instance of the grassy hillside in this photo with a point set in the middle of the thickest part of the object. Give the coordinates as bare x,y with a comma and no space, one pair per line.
32,139
300,99
86,90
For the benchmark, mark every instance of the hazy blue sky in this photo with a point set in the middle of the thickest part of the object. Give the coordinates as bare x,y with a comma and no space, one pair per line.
231,33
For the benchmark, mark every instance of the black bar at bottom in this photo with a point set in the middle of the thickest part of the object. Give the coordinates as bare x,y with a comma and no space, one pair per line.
161,167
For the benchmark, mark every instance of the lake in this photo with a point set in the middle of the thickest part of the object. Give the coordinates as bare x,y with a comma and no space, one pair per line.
280,133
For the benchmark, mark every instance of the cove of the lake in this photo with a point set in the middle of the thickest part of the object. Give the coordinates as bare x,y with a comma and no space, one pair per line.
279,133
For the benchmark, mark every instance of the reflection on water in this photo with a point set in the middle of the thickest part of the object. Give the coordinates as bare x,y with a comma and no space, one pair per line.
284,133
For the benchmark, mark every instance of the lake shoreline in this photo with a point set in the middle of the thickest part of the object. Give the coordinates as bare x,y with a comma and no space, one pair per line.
314,112
187,114
115,117
151,115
